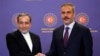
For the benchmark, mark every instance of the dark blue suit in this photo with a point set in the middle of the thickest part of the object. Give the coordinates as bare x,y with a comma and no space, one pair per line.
80,42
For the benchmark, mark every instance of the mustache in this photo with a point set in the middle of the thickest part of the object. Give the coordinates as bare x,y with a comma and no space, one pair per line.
66,17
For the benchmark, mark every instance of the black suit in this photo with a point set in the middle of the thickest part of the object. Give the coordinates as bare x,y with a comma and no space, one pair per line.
17,45
79,43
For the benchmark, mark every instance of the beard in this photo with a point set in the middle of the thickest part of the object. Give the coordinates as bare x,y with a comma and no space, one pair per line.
24,31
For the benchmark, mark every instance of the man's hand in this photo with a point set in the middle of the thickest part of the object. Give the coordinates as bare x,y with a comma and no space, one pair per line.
40,54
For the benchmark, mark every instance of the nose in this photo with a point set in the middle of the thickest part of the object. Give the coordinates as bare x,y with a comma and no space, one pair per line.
24,24
66,14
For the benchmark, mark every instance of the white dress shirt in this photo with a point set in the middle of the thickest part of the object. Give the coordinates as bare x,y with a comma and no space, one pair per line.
70,28
27,37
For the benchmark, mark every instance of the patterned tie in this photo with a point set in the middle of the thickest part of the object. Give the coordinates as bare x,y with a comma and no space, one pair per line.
66,37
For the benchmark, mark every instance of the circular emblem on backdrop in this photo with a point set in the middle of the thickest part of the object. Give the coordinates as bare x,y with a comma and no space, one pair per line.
14,19
82,18
50,19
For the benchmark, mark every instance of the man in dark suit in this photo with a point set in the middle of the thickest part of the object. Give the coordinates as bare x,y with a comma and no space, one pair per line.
22,42
76,40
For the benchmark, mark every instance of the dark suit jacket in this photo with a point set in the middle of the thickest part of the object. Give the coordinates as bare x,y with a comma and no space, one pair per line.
79,43
17,45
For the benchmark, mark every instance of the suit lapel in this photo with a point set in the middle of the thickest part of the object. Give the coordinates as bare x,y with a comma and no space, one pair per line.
32,39
74,33
61,37
61,31
22,40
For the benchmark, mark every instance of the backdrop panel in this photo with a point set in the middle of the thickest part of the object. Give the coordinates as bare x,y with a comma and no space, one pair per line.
40,10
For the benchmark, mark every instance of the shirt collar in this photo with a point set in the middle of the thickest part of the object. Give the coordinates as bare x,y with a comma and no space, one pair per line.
70,25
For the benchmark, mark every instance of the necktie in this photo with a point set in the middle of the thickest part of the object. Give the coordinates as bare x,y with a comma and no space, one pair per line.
66,37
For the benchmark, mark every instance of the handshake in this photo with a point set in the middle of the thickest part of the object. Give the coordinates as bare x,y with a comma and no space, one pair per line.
40,54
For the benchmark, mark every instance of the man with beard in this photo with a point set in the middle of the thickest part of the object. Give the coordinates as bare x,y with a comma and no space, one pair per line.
22,42
70,39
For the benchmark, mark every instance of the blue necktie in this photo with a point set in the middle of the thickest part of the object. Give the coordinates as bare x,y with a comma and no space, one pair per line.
66,37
